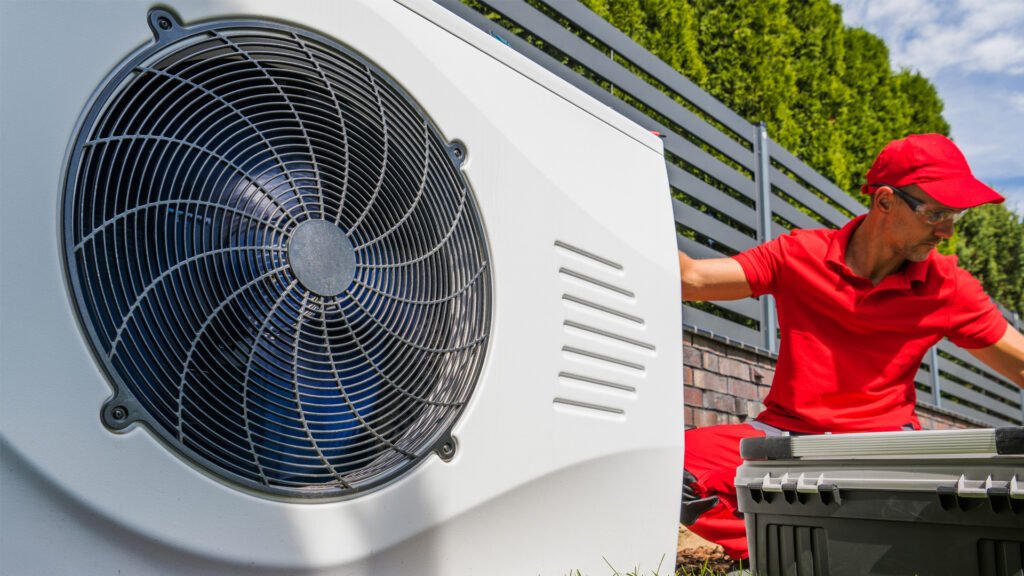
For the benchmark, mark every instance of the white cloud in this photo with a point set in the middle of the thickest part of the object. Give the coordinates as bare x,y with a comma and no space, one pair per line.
905,15
931,35
1017,100
986,115
999,53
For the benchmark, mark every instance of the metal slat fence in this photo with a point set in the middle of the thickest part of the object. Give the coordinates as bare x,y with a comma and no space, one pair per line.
732,186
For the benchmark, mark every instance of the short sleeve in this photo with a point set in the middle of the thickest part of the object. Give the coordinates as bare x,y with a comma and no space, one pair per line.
761,265
974,321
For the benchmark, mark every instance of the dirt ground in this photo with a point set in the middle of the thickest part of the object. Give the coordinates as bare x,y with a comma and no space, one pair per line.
694,552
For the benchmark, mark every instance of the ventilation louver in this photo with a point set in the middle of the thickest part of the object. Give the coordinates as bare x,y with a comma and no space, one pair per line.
276,258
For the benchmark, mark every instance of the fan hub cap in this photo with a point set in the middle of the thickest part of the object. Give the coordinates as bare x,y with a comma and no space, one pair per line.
321,257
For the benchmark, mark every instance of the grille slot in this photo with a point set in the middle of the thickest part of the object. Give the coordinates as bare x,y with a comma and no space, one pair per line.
276,258
588,406
603,358
608,334
590,255
578,378
596,282
601,308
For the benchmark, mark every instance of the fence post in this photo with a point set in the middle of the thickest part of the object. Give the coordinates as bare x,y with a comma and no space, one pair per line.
763,183
933,361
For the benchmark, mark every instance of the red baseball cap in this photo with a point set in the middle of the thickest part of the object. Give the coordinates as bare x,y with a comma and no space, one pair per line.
934,164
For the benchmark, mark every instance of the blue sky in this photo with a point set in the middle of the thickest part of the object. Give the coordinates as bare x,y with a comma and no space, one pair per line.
973,53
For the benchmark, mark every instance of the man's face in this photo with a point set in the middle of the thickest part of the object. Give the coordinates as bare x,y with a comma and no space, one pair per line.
915,238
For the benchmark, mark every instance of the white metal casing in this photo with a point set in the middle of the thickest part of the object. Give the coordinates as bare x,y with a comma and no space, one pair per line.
541,483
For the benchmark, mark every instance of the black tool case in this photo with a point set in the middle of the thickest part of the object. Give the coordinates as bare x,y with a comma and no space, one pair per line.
928,502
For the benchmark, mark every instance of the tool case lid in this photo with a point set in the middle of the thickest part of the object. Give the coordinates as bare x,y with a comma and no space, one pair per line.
1006,441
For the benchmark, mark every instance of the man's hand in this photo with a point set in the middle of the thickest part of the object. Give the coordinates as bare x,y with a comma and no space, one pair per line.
712,279
1005,356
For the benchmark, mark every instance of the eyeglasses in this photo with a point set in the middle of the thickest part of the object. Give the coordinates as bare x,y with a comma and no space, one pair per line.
930,217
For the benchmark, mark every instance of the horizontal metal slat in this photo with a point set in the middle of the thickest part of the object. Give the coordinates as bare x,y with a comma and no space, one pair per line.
721,326
695,249
789,213
1000,410
957,390
924,378
959,353
778,230
964,356
1012,317
925,397
708,226
805,197
749,307
975,379
982,417
812,177
690,152
713,197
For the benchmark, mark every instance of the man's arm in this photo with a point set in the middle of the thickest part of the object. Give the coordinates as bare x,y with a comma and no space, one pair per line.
712,279
1005,356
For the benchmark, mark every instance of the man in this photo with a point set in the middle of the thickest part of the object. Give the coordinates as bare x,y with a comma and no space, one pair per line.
858,308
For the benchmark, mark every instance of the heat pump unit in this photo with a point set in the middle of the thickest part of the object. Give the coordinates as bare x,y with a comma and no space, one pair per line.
325,288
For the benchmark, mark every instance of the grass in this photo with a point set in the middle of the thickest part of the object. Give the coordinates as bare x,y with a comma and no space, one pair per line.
682,571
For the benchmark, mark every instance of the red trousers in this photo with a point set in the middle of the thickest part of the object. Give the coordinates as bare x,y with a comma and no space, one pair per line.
712,456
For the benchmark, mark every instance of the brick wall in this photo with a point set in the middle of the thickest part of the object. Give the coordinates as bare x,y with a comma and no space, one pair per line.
726,383
934,419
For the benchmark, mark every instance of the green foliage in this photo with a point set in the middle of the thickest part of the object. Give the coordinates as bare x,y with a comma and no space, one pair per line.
665,27
819,59
995,252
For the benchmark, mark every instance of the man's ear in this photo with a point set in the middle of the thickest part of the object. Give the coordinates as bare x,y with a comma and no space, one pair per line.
884,198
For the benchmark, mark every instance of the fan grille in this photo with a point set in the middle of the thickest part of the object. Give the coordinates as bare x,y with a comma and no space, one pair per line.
277,259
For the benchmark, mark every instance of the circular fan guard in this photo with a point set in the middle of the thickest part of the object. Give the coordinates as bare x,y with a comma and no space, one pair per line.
276,258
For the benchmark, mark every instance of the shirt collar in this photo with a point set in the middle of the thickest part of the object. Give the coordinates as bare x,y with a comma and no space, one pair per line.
910,273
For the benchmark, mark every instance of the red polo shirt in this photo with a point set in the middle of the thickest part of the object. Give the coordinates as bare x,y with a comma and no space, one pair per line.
849,349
